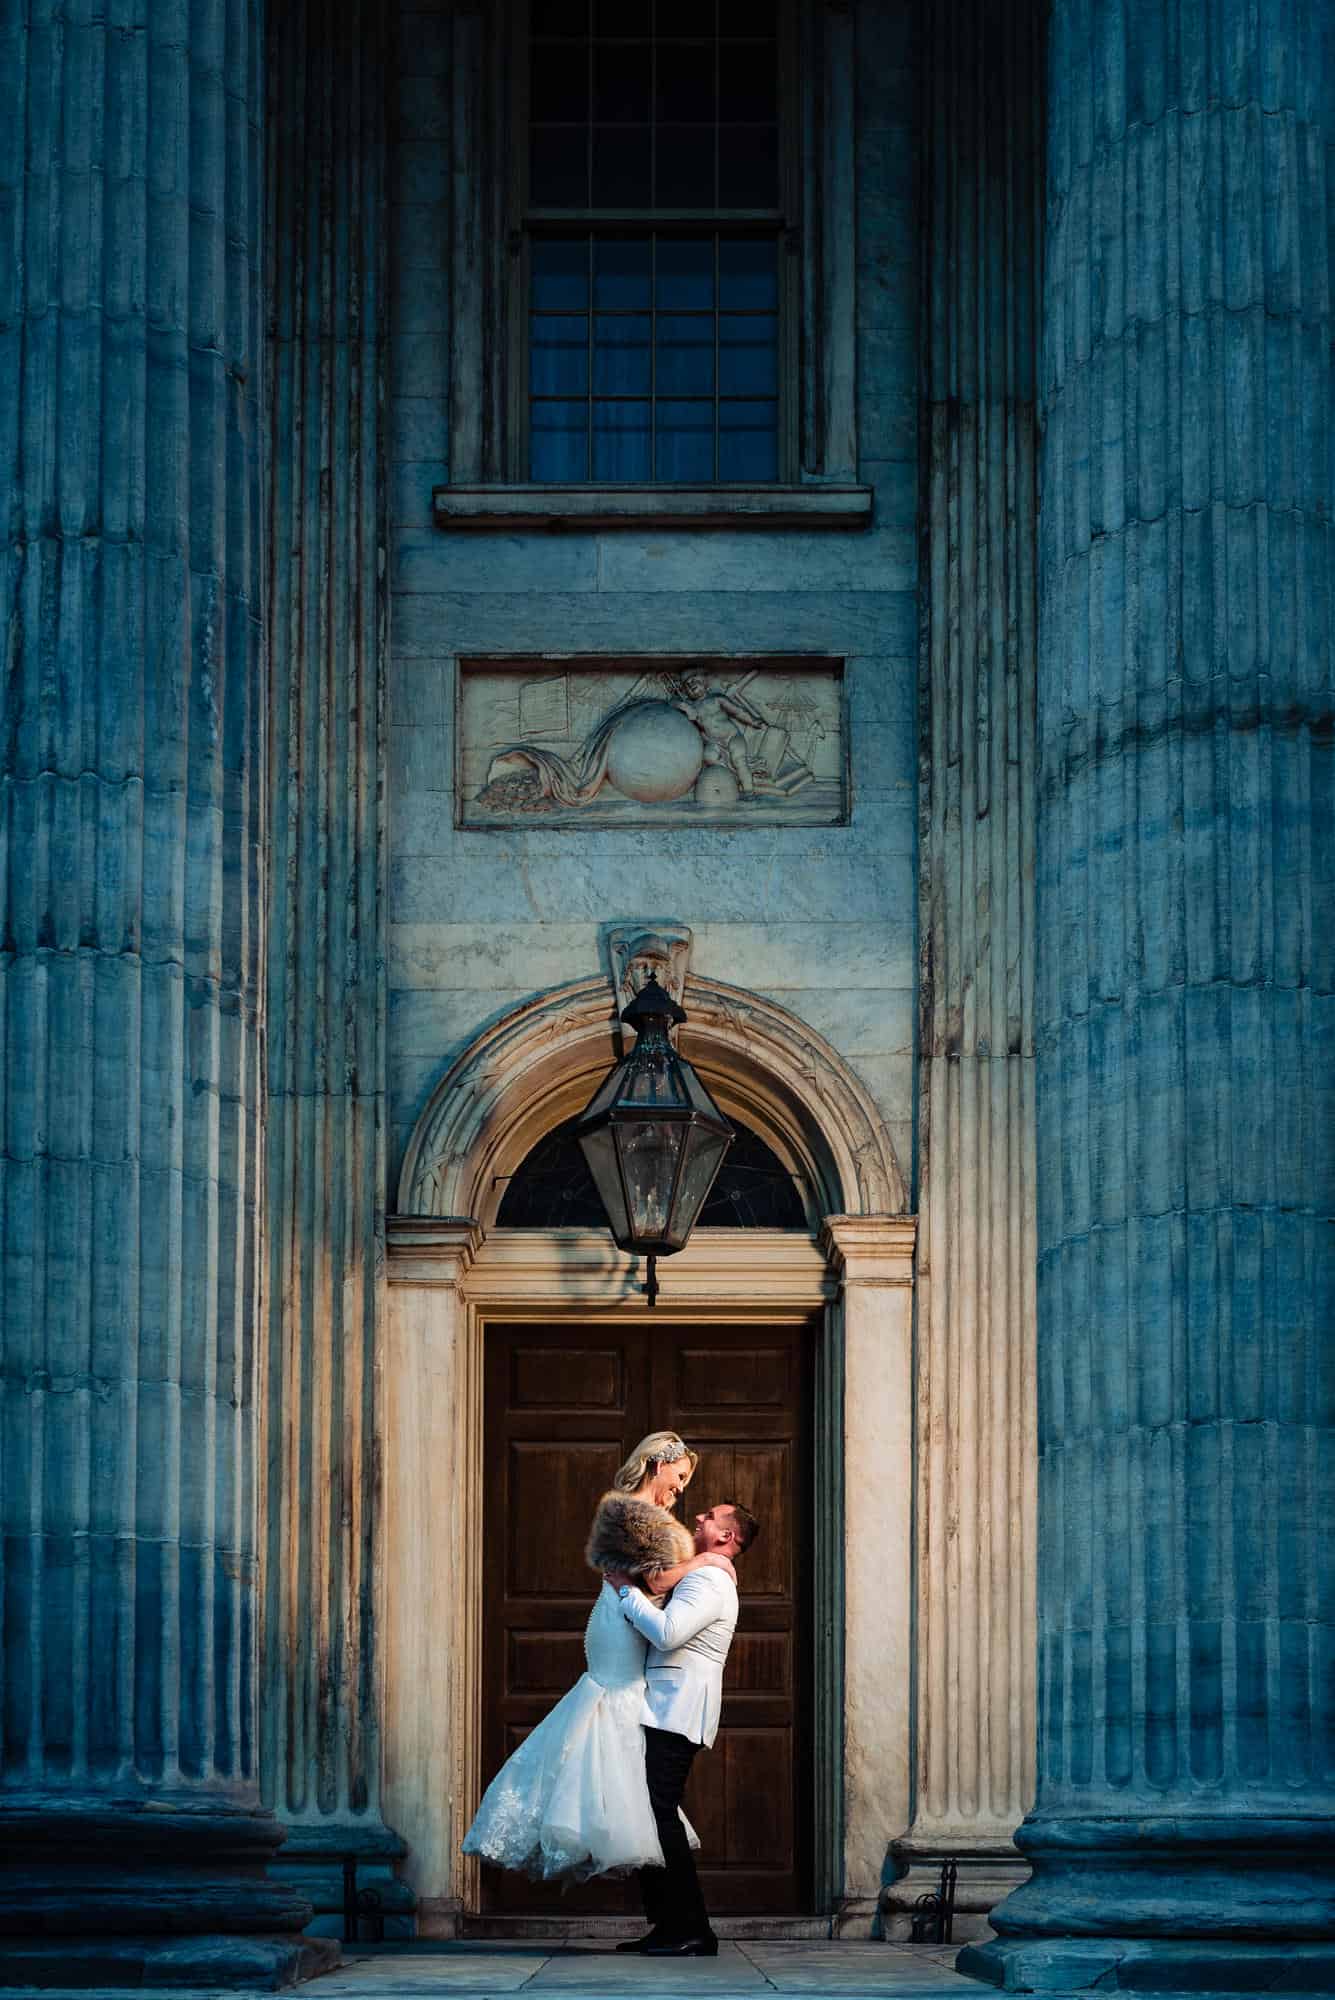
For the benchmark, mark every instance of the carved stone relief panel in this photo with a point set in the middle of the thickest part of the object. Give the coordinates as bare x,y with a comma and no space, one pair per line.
706,741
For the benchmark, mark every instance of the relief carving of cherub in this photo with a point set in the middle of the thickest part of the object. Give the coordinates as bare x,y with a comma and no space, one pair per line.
720,714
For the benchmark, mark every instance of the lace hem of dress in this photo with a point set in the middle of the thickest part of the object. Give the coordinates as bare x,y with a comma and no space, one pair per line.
558,1866
506,1837
560,1852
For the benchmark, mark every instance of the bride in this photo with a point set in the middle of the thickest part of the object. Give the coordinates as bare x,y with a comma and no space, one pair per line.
572,1800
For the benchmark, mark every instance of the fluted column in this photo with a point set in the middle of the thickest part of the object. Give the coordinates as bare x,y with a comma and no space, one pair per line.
1183,1833
974,1389
131,1837
326,997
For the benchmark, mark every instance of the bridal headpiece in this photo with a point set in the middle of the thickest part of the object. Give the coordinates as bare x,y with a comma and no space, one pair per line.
659,1448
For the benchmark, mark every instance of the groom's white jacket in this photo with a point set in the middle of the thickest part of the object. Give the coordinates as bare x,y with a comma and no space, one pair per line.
688,1644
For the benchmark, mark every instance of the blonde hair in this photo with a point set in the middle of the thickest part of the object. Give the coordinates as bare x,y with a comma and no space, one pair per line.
659,1448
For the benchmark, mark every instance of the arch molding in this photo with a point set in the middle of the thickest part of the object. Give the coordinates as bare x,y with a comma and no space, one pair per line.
539,1064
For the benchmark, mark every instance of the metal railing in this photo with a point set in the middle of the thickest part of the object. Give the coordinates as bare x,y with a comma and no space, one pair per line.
933,1920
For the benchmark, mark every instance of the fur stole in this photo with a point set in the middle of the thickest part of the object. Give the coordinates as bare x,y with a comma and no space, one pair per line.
636,1536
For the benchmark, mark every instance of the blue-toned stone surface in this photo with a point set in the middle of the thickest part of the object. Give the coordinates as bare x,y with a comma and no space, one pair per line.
132,1843
796,913
1186,1067
321,1758
176,477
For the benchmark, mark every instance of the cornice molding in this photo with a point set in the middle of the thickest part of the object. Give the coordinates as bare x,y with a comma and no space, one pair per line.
430,1249
871,1249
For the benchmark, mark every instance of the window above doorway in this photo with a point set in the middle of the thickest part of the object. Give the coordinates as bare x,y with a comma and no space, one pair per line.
654,358
656,106
652,273
554,1189
658,331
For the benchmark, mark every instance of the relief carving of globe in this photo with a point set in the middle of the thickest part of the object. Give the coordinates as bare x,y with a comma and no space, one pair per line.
654,753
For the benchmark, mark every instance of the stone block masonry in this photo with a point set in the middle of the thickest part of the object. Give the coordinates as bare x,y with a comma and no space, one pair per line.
753,893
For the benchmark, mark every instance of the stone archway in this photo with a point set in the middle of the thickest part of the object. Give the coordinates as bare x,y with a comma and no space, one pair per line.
452,1272
538,1065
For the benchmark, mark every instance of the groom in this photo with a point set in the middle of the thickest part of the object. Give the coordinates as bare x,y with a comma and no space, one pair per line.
688,1645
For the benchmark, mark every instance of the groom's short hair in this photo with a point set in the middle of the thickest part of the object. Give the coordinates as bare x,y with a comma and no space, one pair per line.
747,1525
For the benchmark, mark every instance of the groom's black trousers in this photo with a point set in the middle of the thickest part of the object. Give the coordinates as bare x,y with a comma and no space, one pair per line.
672,1899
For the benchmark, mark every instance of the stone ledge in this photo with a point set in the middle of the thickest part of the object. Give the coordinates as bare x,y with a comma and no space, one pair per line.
582,508
1149,1965
214,1963
336,1837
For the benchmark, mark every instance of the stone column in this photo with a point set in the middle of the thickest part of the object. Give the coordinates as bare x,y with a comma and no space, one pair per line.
327,235
1183,1834
872,1256
134,1846
975,1392
432,1617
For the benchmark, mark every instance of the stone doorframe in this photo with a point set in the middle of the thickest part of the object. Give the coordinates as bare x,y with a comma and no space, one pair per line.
452,1273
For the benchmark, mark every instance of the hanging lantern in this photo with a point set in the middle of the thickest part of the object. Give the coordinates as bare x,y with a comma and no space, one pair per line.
653,1137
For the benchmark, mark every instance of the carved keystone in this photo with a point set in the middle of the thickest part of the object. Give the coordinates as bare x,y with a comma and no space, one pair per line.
636,950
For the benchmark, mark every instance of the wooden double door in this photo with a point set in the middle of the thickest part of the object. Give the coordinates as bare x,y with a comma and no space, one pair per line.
564,1407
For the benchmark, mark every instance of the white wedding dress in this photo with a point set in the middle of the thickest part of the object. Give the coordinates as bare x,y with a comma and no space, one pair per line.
572,1801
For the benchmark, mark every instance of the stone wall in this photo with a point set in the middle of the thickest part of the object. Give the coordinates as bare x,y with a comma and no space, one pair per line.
819,918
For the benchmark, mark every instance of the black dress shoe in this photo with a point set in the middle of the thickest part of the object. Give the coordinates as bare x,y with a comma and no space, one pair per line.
704,1946
638,1944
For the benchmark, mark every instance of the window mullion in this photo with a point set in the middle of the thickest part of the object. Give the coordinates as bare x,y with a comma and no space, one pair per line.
717,121
591,351
718,389
588,129
717,233
653,104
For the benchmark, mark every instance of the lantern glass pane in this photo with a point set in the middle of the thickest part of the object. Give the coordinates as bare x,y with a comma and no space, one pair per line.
605,1096
703,1159
600,1152
700,1100
649,1154
656,1084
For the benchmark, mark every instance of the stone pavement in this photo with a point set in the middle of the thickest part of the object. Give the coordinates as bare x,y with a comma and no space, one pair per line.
581,1971
743,1970
478,1970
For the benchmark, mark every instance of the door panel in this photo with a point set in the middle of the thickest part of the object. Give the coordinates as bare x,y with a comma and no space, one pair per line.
759,1805
754,1378
739,1397
548,1378
564,1406
544,1662
551,1482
